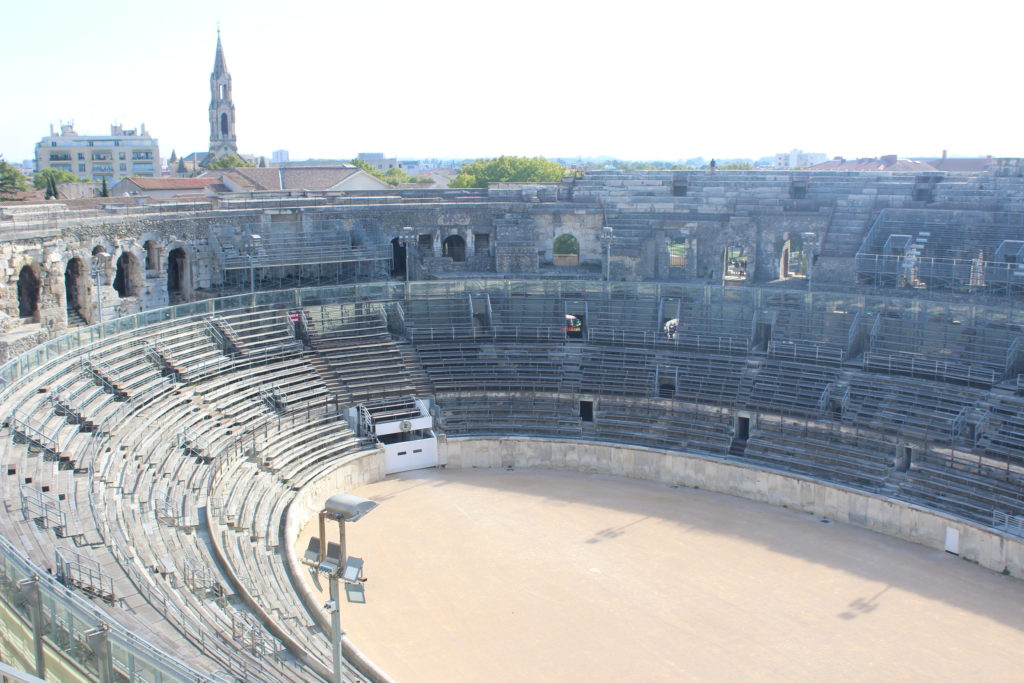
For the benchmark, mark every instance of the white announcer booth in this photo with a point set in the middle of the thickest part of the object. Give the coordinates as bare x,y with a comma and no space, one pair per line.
403,427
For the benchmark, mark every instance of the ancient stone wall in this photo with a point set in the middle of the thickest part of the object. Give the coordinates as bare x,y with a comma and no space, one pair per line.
61,267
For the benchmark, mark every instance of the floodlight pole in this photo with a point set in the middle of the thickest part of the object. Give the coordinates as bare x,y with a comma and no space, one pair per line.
336,633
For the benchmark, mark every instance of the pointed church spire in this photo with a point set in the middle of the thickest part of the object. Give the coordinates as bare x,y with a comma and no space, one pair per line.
222,110
220,66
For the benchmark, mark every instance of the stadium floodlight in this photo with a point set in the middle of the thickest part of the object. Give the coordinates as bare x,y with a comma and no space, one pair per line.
355,593
353,570
348,508
341,569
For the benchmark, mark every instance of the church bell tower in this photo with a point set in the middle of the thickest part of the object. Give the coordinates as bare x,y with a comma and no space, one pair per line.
222,109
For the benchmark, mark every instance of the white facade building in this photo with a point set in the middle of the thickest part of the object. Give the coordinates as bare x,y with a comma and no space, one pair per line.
123,153
798,158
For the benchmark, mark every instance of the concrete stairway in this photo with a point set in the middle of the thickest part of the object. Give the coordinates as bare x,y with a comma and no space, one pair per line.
847,228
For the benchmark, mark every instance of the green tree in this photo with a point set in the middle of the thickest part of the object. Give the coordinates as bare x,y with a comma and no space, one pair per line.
41,180
396,176
104,192
228,162
51,188
12,180
566,244
736,166
393,176
505,169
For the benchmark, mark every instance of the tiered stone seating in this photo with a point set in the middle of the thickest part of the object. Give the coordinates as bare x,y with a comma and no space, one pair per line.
816,336
493,367
913,408
354,344
478,414
820,450
439,318
663,424
942,348
790,388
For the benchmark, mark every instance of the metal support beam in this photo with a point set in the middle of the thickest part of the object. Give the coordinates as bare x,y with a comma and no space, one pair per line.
28,594
99,643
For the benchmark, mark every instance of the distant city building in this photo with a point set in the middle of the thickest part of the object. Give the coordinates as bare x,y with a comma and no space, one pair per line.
279,156
223,141
125,152
797,158
378,161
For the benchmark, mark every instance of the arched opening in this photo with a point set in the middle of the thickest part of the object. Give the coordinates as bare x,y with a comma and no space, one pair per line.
666,383
28,293
152,255
734,268
397,258
178,280
795,255
223,92
677,253
224,124
127,278
76,290
566,250
455,248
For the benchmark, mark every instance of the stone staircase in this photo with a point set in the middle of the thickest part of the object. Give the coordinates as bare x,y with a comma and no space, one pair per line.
75,318
847,228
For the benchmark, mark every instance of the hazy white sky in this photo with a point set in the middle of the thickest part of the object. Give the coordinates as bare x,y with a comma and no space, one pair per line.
634,80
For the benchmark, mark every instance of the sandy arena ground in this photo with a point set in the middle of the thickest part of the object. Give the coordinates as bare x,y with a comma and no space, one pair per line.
488,575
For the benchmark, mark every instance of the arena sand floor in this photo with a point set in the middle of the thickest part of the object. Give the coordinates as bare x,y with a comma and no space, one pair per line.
538,575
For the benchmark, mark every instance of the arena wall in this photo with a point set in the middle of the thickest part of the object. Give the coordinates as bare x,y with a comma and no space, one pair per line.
986,547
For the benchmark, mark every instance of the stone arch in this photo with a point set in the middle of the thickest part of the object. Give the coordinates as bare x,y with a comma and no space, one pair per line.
128,277
734,264
29,287
566,250
179,275
793,256
76,288
454,247
224,124
398,257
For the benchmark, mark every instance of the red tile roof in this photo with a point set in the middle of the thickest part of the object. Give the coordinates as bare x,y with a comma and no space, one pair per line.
171,183
315,178
886,163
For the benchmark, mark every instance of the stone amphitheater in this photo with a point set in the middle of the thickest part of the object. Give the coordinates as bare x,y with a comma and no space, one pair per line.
184,384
